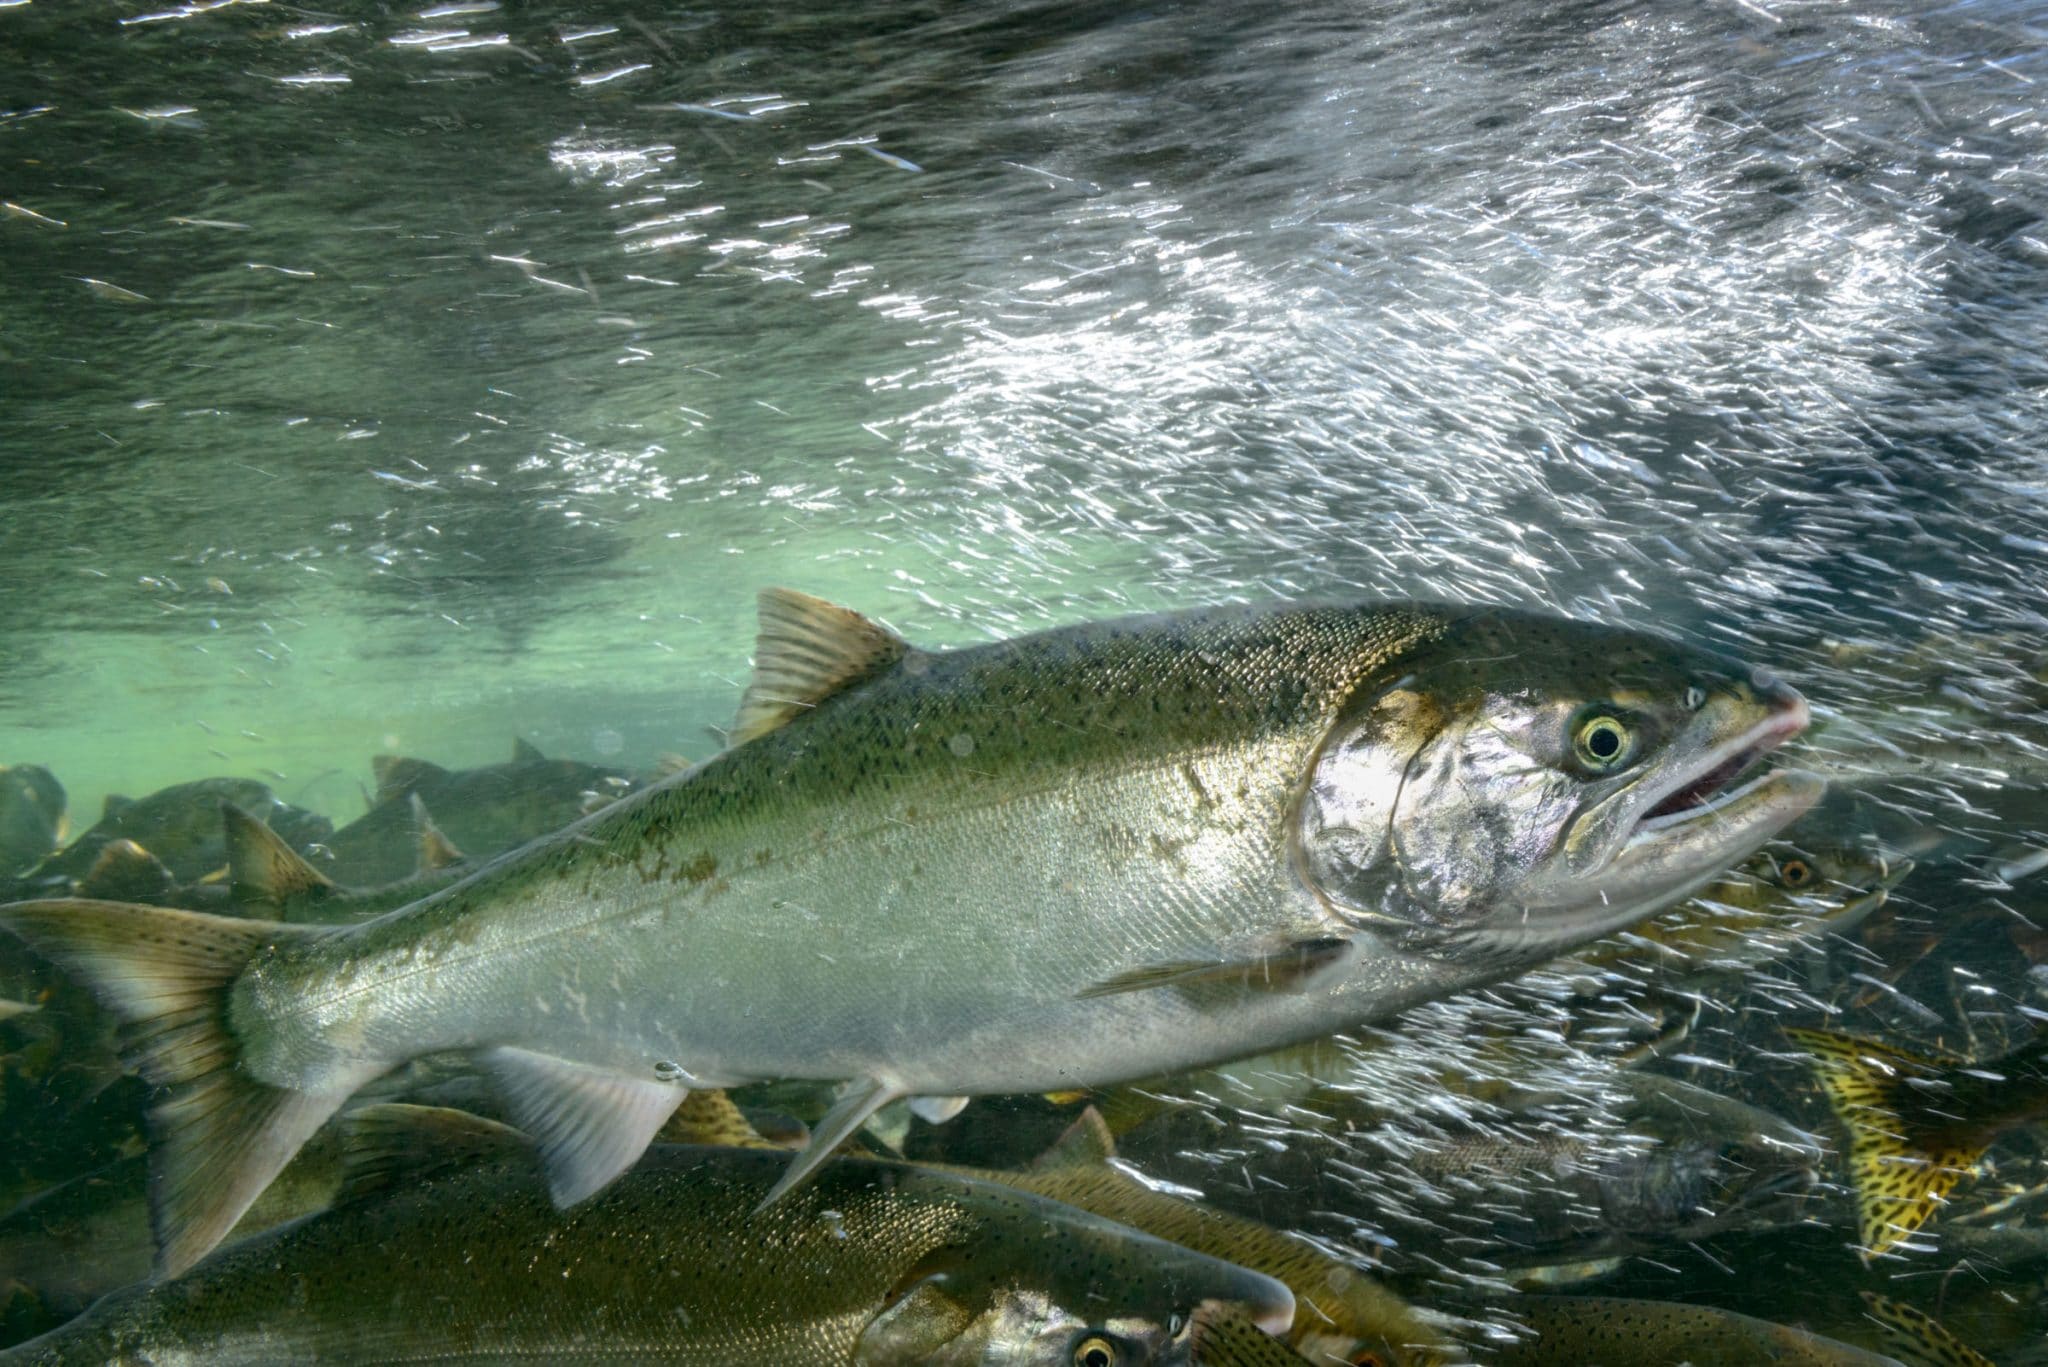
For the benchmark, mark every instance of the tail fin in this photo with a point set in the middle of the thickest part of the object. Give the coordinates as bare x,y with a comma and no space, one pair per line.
1915,1337
1900,1179
220,1136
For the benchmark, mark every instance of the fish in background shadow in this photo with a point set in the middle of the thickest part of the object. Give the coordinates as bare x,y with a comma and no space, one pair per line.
64,1248
1084,855
484,811
268,878
1918,1123
874,1263
1342,1313
32,818
176,829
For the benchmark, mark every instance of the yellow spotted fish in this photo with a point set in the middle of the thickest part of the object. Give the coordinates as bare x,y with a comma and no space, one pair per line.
1918,1124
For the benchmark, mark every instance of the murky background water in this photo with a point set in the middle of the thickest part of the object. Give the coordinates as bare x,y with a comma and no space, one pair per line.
381,379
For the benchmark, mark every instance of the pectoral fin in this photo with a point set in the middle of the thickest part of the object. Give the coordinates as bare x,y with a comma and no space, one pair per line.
590,1124
919,1321
434,850
1281,970
861,1100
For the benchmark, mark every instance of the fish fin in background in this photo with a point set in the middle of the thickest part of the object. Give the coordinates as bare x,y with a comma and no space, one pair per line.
436,850
1916,1338
1280,970
262,868
937,1110
220,1136
861,1099
2011,863
390,1141
1083,1144
525,751
9,1008
590,1124
708,1116
807,650
1899,1181
126,872
397,775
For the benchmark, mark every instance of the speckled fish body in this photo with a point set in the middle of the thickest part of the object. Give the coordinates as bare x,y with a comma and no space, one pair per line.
1604,1331
1092,854
875,1263
916,880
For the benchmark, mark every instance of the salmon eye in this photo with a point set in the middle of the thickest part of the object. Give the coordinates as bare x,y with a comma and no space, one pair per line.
1603,743
1795,873
1095,1351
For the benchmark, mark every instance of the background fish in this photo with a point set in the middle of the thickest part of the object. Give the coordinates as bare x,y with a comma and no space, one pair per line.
1604,1331
874,1263
485,811
31,816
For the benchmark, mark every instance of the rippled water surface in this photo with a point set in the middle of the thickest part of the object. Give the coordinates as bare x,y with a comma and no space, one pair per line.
377,379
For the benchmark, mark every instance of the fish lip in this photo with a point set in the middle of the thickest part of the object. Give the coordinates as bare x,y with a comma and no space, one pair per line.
1718,768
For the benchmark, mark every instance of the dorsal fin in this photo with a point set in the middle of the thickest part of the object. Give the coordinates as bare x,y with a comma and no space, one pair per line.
397,775
436,850
262,868
525,751
126,872
1082,1144
807,650
383,1143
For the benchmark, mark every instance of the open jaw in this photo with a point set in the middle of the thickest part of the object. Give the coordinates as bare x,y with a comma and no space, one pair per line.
1704,790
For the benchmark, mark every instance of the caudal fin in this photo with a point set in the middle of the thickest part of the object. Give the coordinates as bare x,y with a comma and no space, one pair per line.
1900,1178
219,1135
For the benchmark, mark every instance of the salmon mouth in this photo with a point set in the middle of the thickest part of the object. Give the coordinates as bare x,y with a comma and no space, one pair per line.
1705,790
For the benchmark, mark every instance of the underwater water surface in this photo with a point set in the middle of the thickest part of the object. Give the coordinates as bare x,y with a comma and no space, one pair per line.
393,380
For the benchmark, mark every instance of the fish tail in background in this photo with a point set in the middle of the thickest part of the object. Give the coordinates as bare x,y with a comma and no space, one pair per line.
1915,1337
1901,1177
219,1135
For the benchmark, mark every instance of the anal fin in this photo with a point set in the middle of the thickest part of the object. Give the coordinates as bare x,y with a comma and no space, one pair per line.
937,1110
590,1124
861,1100
1281,969
1084,1144
391,1140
